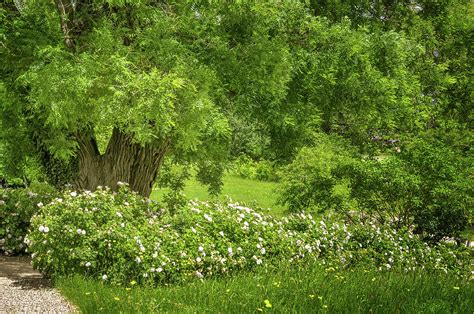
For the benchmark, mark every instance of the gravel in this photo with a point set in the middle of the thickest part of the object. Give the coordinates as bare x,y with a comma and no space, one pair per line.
24,290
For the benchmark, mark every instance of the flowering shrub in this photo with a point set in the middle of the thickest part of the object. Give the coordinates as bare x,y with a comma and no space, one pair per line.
122,238
16,208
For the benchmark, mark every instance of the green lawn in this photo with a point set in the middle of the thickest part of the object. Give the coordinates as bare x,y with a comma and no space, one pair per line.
237,188
287,289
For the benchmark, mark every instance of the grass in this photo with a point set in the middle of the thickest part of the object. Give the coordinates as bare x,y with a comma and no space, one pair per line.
304,289
238,189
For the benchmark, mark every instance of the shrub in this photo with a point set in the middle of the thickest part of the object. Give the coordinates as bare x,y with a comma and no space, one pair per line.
122,238
309,183
427,185
263,170
17,206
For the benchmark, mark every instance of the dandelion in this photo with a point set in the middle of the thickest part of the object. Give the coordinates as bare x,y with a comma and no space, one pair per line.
267,303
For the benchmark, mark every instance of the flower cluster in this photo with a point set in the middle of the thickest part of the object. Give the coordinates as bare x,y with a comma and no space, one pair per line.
16,208
121,237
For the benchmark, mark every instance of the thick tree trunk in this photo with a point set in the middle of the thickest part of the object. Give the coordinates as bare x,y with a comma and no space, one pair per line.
123,161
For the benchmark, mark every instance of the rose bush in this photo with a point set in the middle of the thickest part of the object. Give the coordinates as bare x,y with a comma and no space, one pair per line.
122,238
17,206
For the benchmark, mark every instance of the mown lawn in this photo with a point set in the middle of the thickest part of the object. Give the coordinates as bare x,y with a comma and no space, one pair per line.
238,189
304,289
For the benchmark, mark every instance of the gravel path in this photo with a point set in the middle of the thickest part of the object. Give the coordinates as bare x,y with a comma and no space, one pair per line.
24,290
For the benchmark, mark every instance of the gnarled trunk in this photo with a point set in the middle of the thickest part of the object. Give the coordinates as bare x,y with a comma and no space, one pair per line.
123,161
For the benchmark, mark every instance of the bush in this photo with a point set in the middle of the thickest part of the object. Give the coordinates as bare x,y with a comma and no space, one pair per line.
123,238
427,185
247,168
309,183
17,206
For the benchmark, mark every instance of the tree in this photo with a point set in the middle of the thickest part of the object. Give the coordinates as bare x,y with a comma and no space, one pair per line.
102,91
112,70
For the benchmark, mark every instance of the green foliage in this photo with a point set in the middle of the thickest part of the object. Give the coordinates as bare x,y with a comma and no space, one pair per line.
247,168
124,238
17,206
309,183
426,185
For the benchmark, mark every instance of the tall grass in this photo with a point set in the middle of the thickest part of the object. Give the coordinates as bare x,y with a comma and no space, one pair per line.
301,289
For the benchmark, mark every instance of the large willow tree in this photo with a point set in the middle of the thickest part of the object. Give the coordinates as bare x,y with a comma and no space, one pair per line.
102,91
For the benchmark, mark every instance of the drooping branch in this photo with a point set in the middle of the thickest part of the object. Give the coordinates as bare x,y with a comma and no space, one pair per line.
68,23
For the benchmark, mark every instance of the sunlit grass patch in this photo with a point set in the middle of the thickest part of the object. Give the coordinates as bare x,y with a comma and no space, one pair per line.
287,288
260,193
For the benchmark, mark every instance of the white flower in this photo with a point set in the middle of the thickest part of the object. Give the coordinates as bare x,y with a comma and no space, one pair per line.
260,239
41,228
263,251
229,250
221,233
199,275
73,194
209,218
138,260
198,259
193,230
59,200
79,231
122,225
88,264
258,261
159,270
40,204
119,214
155,255
46,230
83,232
104,277
200,249
142,248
